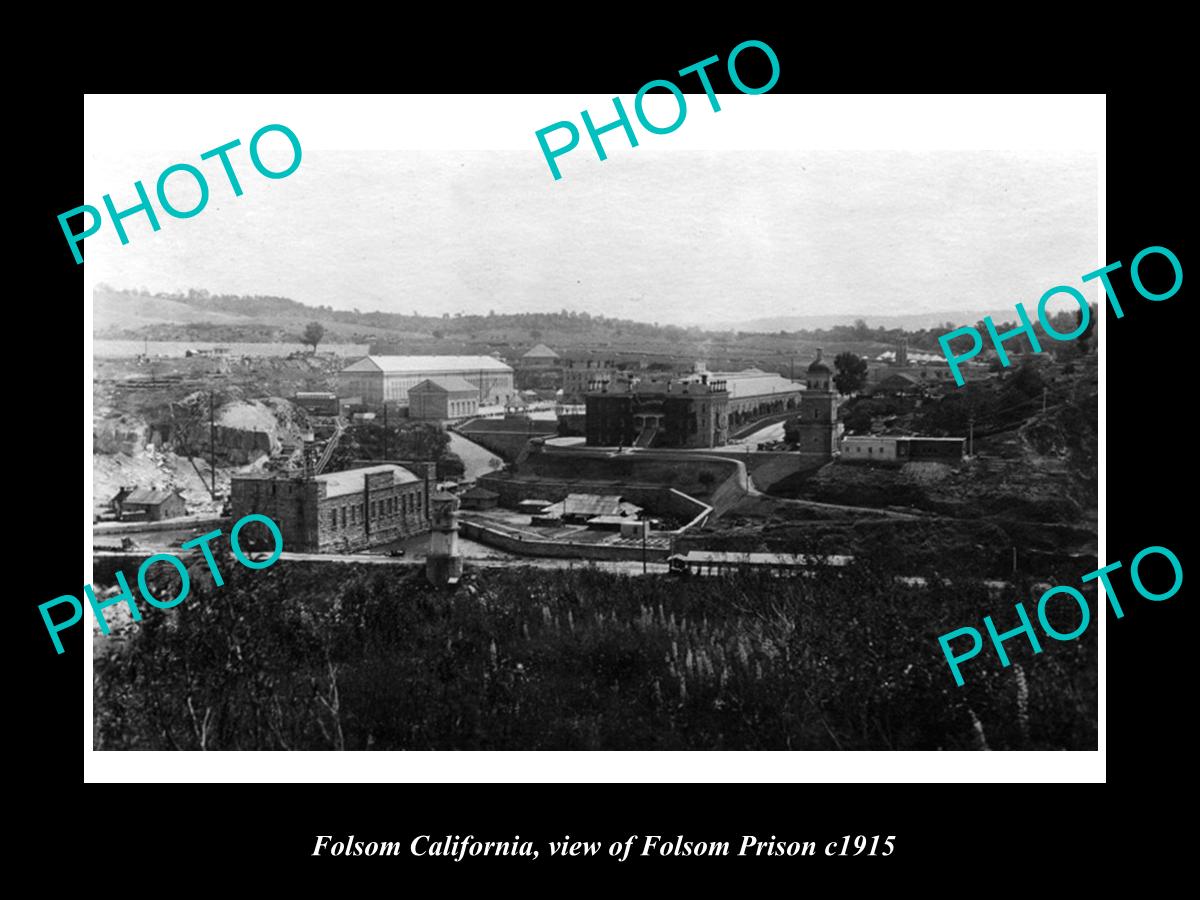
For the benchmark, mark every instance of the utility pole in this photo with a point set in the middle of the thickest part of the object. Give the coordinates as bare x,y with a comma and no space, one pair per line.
645,528
1014,559
385,431
971,435
1043,399
212,443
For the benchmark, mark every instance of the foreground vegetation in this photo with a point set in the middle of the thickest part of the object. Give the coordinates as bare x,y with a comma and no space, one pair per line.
319,656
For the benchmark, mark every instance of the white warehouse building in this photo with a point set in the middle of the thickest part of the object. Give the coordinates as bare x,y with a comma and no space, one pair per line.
380,379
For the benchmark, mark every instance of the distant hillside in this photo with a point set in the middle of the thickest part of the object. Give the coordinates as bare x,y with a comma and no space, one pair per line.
771,343
910,322
137,314
122,310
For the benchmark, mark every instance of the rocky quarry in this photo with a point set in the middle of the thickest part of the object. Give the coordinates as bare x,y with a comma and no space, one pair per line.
168,445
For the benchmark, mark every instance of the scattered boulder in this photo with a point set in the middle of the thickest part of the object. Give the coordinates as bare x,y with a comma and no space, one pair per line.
125,434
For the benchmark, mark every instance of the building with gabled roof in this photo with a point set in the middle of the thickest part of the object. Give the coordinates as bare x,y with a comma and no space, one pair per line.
388,379
444,397
479,497
148,504
582,507
897,383
539,357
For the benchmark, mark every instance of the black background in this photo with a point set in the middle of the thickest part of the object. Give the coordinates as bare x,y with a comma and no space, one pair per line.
957,837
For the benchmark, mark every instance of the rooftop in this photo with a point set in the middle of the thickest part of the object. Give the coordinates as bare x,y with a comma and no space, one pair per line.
479,493
755,382
541,350
431,365
592,505
149,496
351,481
450,384
851,438
663,384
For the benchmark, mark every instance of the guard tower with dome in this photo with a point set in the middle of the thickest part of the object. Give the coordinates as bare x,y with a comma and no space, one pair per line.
817,422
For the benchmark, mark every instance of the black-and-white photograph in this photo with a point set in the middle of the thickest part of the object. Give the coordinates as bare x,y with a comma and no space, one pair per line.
414,450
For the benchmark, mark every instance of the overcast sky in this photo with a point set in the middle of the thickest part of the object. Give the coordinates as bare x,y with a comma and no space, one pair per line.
689,237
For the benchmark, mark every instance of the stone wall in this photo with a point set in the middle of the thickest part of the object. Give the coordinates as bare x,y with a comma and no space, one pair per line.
506,437
200,523
768,468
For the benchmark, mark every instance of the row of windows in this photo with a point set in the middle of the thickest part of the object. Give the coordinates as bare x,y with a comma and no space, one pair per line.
404,504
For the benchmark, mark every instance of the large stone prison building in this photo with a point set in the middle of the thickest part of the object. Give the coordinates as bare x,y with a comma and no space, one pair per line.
346,510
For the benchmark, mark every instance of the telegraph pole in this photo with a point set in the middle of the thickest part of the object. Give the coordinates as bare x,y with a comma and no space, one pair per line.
971,435
385,431
212,443
1043,399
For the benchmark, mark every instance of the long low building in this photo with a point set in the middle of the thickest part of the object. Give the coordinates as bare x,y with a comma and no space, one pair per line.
754,394
722,562
388,379
901,449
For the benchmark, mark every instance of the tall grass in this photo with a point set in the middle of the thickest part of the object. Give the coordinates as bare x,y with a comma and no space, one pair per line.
304,656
